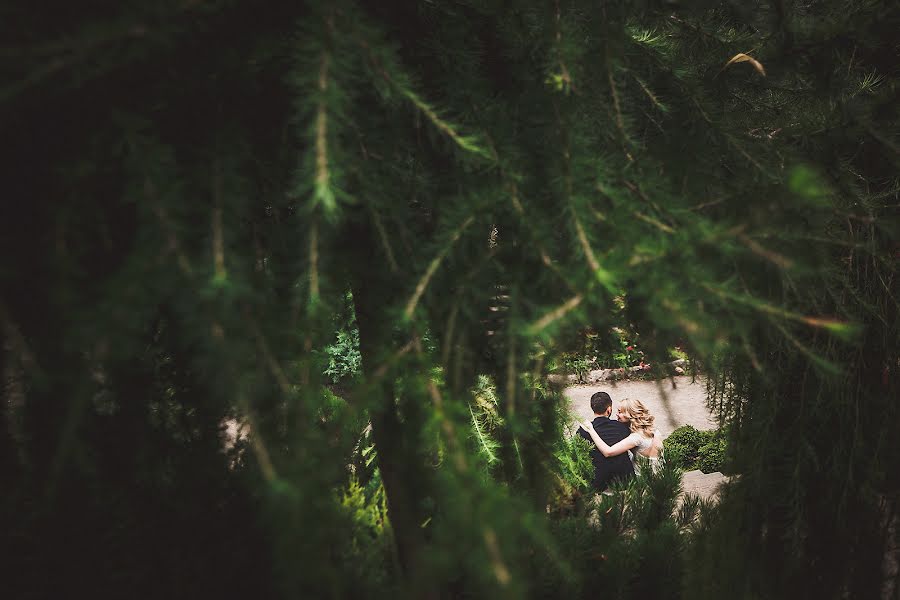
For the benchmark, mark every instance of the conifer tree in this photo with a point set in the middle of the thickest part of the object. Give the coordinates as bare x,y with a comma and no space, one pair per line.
193,190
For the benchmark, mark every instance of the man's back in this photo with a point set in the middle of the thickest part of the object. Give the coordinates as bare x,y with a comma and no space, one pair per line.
614,467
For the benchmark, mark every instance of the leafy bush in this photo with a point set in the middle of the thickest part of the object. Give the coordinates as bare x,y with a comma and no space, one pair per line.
689,449
617,350
677,353
712,455
623,351
344,359
682,446
578,365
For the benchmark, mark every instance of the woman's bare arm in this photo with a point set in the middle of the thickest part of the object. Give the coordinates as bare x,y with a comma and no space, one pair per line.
604,448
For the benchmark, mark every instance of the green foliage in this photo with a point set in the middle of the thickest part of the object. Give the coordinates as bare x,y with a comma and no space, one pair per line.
573,459
807,184
629,543
677,353
578,365
689,449
486,421
193,188
344,360
626,352
367,552
616,350
368,515
682,446
711,455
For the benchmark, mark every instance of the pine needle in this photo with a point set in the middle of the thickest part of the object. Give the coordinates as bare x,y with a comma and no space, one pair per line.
313,263
501,572
218,238
841,329
603,276
554,315
743,57
432,267
323,192
770,255
484,442
468,143
662,107
655,222
385,241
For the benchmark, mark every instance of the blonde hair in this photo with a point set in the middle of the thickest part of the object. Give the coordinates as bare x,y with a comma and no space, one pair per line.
639,418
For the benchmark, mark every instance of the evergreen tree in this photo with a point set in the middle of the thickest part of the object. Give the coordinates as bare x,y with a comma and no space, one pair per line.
195,188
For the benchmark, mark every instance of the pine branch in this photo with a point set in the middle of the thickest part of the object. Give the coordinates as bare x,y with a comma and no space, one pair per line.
385,63
554,315
433,267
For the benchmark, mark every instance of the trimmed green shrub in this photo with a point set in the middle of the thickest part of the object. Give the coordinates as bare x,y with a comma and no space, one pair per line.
712,454
682,446
689,448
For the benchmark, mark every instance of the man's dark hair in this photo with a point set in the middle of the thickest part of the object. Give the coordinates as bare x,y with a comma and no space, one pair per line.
600,402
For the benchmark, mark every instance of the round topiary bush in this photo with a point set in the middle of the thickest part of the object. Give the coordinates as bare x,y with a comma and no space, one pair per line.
712,455
689,449
682,446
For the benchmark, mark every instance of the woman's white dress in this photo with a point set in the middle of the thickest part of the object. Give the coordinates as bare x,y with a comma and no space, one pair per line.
642,443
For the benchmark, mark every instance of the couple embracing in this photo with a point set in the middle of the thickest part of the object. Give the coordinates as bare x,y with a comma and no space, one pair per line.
620,443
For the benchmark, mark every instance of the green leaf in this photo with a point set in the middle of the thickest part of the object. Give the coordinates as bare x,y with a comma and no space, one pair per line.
809,185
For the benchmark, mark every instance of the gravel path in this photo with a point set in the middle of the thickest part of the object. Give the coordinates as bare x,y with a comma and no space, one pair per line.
683,404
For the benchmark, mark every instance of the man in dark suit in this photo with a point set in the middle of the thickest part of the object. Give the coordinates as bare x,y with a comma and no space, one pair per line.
614,468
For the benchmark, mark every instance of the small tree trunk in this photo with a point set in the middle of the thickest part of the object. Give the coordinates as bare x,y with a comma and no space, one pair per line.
396,441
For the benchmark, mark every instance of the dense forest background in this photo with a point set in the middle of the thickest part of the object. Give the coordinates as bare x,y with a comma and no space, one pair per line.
369,232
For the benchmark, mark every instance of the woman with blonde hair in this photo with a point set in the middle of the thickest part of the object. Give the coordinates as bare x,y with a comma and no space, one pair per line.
644,440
